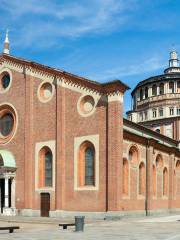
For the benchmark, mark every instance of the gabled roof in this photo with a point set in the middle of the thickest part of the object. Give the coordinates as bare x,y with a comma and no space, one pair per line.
147,133
104,88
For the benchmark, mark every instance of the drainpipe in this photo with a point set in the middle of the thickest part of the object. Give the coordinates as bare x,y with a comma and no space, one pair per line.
107,162
56,145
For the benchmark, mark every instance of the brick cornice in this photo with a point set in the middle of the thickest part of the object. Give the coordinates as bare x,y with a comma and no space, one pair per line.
110,88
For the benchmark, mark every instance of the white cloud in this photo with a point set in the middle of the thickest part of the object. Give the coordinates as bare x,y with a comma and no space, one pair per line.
45,22
151,64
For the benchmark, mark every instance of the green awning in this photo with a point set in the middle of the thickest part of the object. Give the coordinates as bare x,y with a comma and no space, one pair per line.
7,159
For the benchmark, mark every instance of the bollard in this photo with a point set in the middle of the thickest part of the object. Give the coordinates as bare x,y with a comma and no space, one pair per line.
79,223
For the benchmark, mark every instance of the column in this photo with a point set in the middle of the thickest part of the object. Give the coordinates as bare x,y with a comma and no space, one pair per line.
13,193
175,86
166,88
143,93
6,193
150,91
158,90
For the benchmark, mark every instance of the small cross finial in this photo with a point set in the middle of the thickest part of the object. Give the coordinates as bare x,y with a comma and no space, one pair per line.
7,36
6,43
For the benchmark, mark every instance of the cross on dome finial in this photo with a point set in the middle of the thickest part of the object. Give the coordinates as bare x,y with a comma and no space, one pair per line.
6,43
173,61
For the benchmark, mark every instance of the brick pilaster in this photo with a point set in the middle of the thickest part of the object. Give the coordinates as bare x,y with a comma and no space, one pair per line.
171,179
115,152
149,179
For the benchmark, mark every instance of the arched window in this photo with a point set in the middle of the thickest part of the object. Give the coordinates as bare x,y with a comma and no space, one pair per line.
45,167
178,165
142,179
125,177
133,155
161,88
171,87
159,161
89,166
177,179
86,164
165,182
154,90
141,94
48,169
146,92
154,181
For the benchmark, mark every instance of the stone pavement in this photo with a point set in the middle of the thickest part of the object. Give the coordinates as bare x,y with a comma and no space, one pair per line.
150,228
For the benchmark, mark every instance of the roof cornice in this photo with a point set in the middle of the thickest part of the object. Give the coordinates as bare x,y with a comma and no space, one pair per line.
108,88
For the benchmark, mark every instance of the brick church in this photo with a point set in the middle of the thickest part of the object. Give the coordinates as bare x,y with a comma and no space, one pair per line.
65,148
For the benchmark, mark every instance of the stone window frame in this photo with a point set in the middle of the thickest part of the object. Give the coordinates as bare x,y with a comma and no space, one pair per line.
42,178
78,141
154,113
6,108
171,111
38,146
39,91
79,108
6,70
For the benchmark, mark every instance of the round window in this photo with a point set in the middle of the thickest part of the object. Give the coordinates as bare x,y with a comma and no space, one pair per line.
45,91
87,104
7,123
5,81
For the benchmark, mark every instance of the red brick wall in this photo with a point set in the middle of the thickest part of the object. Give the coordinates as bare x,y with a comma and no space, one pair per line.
59,120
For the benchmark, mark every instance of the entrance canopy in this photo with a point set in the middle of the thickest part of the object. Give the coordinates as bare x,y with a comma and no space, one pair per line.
7,159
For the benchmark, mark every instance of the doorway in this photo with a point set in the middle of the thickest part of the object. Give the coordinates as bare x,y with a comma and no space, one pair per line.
45,204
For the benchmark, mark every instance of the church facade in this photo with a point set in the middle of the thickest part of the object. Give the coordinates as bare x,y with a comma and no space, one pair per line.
156,101
66,149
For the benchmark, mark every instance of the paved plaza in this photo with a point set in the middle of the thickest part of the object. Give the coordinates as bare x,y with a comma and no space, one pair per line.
151,228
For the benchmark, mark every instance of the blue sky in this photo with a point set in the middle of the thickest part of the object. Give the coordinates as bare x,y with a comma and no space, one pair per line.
102,40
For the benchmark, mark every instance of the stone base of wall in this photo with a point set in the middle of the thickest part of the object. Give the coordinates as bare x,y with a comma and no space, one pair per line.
115,215
28,213
9,211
